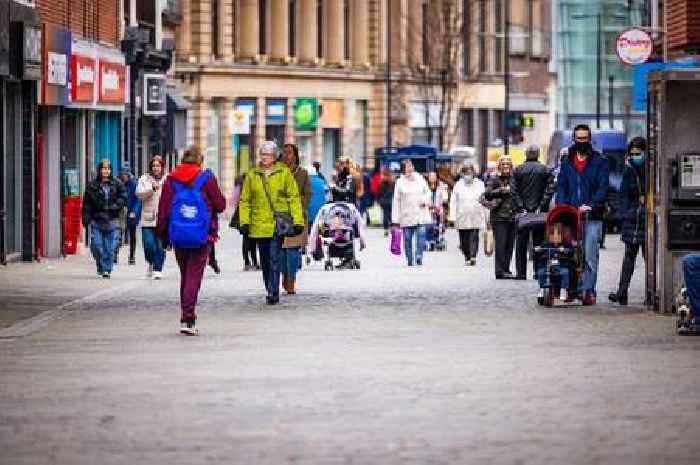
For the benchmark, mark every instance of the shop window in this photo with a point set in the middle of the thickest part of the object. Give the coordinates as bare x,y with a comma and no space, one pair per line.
211,154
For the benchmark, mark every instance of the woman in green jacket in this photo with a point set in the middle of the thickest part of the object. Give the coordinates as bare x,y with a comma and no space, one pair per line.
269,183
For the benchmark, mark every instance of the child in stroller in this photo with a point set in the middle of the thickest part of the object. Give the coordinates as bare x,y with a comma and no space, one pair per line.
435,232
557,259
334,233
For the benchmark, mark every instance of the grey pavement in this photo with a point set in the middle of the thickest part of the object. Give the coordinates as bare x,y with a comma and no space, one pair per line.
440,364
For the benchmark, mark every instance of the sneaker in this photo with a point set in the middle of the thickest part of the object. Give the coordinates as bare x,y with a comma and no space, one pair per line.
563,295
188,328
157,275
106,275
272,299
419,262
149,270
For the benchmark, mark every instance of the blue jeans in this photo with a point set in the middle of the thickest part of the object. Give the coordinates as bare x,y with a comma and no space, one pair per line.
408,233
593,230
691,275
564,279
152,248
269,250
290,260
103,243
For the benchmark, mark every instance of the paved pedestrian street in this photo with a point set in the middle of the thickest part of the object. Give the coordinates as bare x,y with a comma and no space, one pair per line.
385,365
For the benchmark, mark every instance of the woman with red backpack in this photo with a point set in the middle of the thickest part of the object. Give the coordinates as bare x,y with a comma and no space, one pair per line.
188,220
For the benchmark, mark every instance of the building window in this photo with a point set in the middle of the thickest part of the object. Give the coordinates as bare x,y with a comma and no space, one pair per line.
262,19
424,31
211,154
319,28
346,28
292,28
466,31
482,36
215,28
498,38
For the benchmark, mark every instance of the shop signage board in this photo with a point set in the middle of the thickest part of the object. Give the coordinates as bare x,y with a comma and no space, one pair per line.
306,113
57,42
276,113
31,52
112,86
634,46
154,102
239,122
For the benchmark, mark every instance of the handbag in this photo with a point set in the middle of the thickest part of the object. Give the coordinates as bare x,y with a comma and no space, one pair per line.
488,242
284,225
531,221
235,222
395,241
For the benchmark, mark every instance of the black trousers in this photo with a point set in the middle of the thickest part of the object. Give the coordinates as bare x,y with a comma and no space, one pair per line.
212,256
469,243
521,243
386,215
628,262
250,255
504,237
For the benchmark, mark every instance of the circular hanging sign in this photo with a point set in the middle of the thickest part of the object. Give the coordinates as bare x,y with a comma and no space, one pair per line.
634,46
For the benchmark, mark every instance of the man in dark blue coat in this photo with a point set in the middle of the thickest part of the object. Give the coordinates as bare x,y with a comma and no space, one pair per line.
583,183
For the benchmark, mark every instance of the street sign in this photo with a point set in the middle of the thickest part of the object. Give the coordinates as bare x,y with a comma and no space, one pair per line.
634,46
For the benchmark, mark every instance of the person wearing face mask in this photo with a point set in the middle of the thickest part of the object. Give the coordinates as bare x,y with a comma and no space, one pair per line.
583,183
502,215
632,212
467,213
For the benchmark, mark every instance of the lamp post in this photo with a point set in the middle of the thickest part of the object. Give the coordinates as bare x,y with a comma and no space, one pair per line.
388,75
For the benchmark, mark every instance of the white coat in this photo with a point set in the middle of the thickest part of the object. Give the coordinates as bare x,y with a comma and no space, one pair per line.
149,199
411,201
465,210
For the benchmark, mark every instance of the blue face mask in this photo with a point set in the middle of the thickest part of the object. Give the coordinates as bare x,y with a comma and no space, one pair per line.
637,160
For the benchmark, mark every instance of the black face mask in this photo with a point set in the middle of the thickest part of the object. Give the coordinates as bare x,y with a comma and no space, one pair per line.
583,147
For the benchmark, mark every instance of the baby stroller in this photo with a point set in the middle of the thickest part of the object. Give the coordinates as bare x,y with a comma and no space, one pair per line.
337,231
569,255
435,231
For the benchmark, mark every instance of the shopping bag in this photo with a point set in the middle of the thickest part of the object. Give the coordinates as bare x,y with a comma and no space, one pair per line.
396,240
375,215
488,242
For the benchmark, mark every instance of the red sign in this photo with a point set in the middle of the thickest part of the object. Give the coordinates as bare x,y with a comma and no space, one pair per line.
83,77
112,83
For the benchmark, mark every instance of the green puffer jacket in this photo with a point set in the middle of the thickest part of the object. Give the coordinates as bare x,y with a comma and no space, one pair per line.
254,208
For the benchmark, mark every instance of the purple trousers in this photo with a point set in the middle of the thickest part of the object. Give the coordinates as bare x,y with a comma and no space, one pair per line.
192,263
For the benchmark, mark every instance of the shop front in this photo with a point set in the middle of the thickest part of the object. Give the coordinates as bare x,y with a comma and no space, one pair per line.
244,131
20,69
306,111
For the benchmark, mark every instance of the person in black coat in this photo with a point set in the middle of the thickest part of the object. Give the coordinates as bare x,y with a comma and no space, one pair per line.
104,198
632,212
502,216
532,186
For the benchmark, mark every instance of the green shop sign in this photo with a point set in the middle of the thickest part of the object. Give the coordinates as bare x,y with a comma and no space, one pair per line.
306,113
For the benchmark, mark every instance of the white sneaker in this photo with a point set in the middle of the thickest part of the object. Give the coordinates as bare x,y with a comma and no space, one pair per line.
562,294
157,275
149,270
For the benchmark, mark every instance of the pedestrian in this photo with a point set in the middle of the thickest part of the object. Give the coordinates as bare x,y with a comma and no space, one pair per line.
691,276
149,190
385,196
583,183
317,167
290,260
344,189
250,255
467,213
532,186
491,168
319,195
188,220
409,210
104,198
268,198
632,213
366,198
133,208
502,216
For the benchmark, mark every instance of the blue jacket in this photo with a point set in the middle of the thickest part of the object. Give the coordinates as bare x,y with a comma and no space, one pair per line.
587,188
318,196
630,210
133,203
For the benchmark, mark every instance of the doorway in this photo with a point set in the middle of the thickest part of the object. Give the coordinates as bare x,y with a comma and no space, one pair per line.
13,169
331,151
